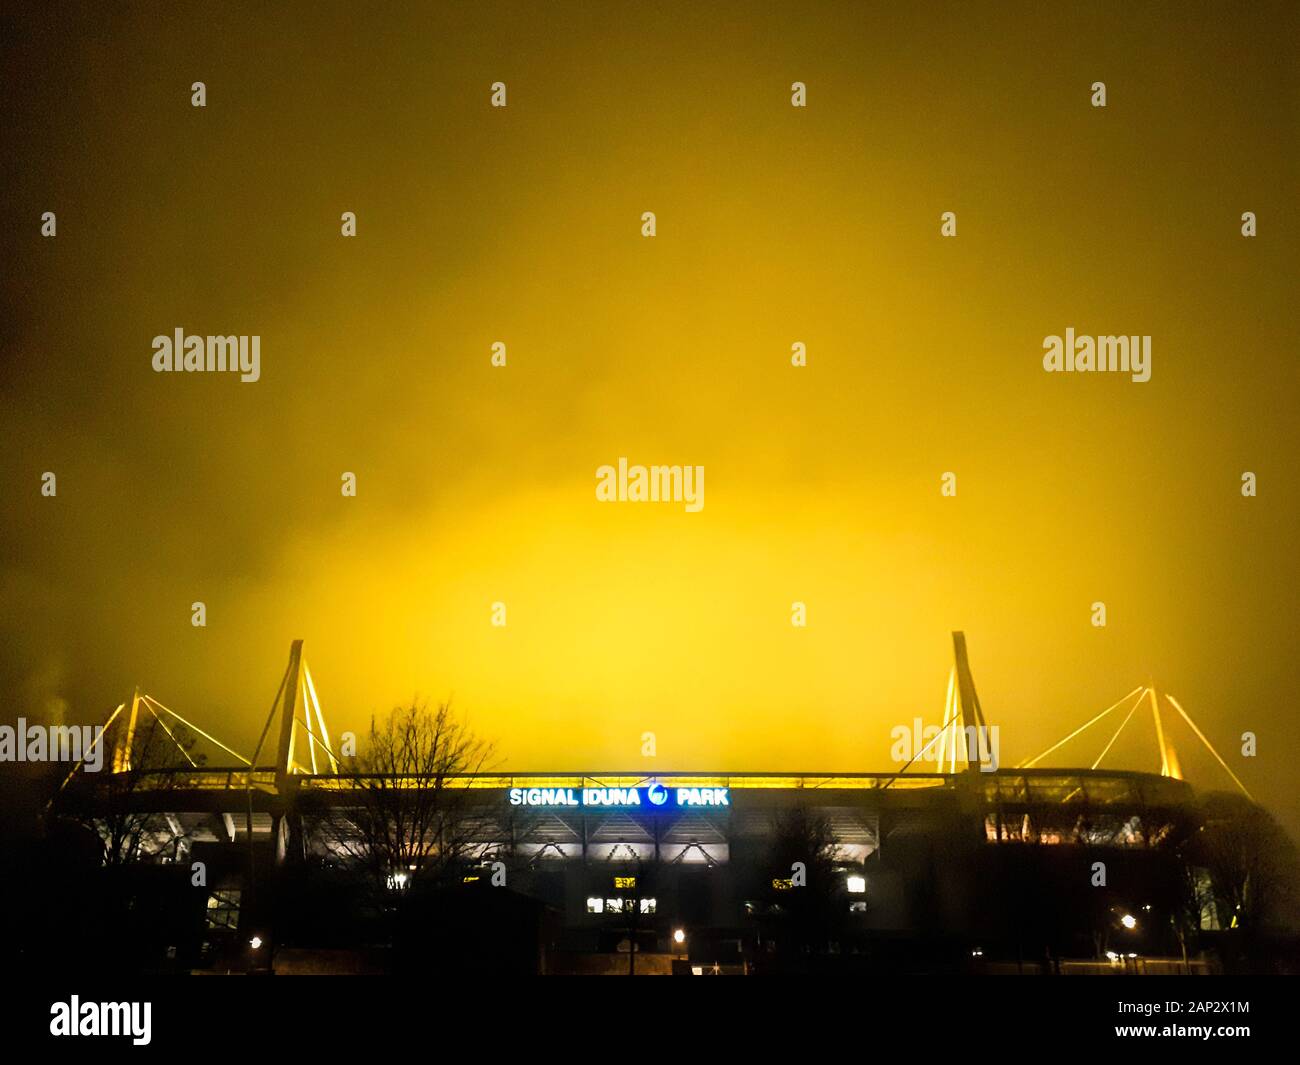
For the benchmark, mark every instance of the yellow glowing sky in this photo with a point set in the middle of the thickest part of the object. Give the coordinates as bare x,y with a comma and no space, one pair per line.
775,225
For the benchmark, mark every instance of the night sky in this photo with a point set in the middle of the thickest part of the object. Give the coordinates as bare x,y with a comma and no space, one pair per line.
775,225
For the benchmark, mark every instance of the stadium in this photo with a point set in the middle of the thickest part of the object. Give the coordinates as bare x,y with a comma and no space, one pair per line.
978,867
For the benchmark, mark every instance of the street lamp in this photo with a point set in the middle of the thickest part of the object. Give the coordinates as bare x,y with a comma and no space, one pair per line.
1128,921
679,936
255,954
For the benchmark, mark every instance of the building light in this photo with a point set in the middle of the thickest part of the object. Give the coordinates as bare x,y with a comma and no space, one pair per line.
595,905
1112,955
679,936
857,885
977,953
649,905
255,942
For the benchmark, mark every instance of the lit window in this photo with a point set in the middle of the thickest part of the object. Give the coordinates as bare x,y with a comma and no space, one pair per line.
857,907
618,905
648,905
595,905
857,885
223,909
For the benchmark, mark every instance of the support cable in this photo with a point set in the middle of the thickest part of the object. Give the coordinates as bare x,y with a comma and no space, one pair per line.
921,751
1123,724
193,728
1081,728
170,735
1209,746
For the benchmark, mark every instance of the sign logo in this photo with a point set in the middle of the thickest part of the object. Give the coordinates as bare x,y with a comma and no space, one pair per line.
621,798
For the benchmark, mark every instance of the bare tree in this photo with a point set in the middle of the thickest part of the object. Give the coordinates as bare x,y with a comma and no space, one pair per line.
1252,863
128,810
412,821
803,894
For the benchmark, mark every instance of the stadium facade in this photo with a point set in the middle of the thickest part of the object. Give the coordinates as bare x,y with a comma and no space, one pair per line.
972,868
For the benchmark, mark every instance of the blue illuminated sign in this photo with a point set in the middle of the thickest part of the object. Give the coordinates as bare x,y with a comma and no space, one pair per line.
653,794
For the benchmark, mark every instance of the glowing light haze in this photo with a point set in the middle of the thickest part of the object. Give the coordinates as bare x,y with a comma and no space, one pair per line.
775,225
